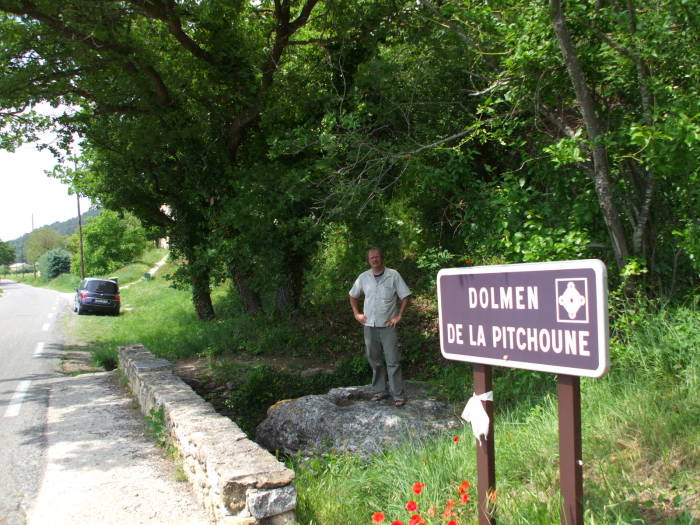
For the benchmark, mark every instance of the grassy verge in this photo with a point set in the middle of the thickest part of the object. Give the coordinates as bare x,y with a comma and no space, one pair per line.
68,282
641,445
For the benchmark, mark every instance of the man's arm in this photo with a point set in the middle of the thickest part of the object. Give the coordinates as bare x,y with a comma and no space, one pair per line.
359,316
402,308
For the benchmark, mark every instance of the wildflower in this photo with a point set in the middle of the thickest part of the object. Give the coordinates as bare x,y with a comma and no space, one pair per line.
377,517
463,487
418,487
411,506
451,522
448,508
464,497
431,510
397,522
416,520
492,497
455,439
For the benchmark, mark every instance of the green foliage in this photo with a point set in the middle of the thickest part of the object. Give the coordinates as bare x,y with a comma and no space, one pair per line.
155,422
106,357
424,128
7,254
53,263
110,240
263,386
431,261
41,241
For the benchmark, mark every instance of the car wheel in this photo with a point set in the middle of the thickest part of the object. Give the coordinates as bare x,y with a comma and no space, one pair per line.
115,312
80,309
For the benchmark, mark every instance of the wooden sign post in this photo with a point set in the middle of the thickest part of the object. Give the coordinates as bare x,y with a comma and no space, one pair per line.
548,317
485,451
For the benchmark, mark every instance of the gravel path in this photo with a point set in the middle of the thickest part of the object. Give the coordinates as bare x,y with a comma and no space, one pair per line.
101,467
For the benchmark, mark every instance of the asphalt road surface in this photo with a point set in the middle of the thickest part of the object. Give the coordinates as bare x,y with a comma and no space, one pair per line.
74,449
30,341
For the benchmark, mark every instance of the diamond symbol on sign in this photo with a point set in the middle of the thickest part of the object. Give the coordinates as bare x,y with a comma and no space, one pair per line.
571,300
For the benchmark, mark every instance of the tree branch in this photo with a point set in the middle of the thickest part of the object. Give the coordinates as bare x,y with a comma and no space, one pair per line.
165,13
128,54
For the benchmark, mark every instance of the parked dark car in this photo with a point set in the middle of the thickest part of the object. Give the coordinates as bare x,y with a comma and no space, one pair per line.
97,295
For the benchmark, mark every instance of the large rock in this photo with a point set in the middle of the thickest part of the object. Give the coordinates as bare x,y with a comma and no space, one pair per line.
346,420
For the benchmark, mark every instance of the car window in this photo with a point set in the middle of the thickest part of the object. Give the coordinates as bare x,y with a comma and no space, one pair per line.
101,286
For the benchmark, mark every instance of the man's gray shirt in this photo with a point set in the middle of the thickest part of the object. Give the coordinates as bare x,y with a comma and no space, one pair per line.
380,295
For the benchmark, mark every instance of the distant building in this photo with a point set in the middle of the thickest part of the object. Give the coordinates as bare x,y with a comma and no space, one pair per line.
18,267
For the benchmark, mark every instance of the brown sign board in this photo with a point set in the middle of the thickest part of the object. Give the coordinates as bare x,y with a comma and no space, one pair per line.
548,317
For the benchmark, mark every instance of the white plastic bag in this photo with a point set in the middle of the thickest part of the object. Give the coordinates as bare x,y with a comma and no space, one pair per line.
475,414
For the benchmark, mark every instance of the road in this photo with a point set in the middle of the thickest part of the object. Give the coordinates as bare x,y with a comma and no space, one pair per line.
74,449
30,341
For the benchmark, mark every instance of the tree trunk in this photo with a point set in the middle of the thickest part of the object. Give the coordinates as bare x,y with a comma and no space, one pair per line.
601,175
201,295
286,298
249,297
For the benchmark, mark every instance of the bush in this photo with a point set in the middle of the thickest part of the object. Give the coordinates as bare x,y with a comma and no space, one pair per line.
110,241
53,263
264,386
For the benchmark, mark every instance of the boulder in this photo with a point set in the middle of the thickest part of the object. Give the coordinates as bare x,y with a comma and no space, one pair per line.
346,420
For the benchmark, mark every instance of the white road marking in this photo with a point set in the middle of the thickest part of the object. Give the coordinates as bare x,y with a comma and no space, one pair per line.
39,349
45,327
17,398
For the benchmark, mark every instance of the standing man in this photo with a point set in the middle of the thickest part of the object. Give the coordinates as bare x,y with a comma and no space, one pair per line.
381,287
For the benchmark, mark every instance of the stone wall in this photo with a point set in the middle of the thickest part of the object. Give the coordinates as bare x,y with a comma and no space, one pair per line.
236,481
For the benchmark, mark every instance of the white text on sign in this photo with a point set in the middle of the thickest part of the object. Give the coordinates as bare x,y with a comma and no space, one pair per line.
569,342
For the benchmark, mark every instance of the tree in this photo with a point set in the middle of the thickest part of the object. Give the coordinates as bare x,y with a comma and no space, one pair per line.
53,263
41,241
475,133
111,241
180,104
7,254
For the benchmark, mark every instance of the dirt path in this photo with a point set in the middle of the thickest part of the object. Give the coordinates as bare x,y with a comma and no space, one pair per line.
101,467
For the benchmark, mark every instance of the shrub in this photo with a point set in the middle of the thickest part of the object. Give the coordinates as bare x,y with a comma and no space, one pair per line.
53,263
263,386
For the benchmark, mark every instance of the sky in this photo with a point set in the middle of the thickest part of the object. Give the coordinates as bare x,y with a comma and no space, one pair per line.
27,193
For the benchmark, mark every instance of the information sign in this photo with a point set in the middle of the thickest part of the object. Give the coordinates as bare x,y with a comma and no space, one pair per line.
549,317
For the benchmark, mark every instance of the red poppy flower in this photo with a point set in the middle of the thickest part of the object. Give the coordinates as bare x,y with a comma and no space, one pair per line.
431,510
464,497
377,517
397,522
463,487
451,522
448,508
411,506
469,261
416,520
455,439
418,487
492,497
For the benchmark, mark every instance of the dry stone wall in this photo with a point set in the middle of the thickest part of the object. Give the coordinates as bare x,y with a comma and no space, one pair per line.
236,481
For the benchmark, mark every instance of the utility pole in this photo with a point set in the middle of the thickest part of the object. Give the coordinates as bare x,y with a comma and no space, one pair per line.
80,232
80,225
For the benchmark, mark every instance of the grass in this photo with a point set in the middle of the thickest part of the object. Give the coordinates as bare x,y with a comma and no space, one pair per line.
641,443
67,282
641,438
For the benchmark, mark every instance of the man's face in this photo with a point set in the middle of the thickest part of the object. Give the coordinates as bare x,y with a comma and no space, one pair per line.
375,259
